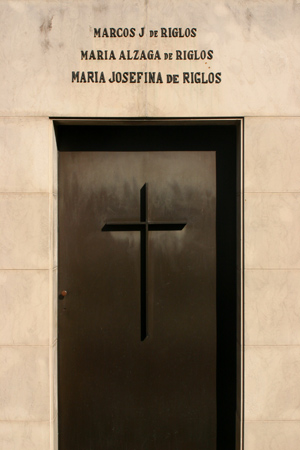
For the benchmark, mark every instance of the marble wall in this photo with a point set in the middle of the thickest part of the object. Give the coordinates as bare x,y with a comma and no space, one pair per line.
272,301
255,48
27,279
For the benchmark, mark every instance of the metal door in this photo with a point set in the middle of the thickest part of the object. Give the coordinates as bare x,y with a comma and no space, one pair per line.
137,327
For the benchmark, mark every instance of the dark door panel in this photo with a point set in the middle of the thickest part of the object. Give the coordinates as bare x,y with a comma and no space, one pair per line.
138,326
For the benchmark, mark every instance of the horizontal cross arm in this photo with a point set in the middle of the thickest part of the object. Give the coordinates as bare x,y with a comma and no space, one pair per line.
125,226
139,226
164,226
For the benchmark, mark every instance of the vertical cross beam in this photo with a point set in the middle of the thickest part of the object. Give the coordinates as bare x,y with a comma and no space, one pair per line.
144,259
144,226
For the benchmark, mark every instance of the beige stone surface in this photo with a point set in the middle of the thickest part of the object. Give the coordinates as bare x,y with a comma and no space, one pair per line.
272,307
272,154
53,382
239,306
54,159
24,435
24,383
24,231
24,306
255,47
272,435
54,305
54,434
24,154
239,380
272,230
54,230
272,376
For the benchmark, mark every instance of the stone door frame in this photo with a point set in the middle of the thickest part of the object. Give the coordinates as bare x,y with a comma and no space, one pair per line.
239,122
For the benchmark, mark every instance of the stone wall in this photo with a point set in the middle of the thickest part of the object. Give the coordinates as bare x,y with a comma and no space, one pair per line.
256,50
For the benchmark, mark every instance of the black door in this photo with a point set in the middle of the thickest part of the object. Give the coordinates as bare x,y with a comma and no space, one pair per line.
137,257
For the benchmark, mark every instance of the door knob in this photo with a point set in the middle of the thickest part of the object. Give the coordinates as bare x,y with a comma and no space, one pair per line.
62,294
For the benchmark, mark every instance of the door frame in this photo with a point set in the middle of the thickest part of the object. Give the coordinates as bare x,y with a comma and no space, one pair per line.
56,122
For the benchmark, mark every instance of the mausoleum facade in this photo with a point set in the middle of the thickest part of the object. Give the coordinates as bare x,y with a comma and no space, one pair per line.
99,63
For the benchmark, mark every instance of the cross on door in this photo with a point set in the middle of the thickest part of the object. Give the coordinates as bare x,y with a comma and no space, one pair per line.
144,226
